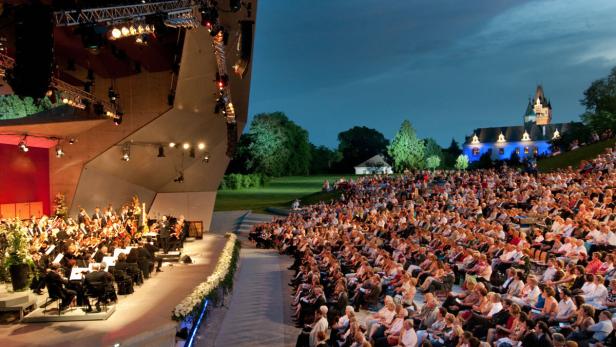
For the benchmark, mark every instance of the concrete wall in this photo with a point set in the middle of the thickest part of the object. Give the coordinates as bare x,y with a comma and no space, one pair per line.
195,206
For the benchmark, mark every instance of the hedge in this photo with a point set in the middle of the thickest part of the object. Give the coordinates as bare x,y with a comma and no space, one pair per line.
239,181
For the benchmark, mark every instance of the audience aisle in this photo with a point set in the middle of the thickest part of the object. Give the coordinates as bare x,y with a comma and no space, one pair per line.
257,316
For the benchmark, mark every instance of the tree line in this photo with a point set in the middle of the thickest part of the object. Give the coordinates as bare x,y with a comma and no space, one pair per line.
276,146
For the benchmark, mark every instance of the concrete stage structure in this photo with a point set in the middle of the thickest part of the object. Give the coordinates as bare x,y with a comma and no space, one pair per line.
168,92
142,318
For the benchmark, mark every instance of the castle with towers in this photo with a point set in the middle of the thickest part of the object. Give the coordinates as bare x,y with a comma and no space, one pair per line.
528,141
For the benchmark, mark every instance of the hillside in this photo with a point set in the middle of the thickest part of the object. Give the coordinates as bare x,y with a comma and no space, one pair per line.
573,158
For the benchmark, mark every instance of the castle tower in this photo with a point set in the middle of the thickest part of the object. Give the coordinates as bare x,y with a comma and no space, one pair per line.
542,107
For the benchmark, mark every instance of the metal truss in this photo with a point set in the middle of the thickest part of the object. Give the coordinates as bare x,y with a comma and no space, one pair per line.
119,13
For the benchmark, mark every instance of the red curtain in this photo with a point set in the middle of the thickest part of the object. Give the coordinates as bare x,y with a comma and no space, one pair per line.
24,177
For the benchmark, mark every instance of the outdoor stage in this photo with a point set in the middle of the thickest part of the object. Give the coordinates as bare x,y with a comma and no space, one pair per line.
140,319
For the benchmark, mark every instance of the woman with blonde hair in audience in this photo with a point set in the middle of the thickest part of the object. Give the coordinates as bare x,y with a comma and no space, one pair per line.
383,317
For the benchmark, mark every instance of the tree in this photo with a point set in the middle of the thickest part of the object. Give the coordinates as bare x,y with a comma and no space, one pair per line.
462,162
323,159
600,103
406,149
433,161
276,146
359,144
451,153
432,148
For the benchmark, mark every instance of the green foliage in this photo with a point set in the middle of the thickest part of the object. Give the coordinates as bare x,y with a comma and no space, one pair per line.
432,148
406,149
277,146
13,106
462,162
485,161
240,181
359,144
451,153
600,103
323,159
573,158
433,161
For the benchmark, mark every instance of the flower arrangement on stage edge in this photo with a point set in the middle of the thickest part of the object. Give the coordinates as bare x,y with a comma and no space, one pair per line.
17,258
220,279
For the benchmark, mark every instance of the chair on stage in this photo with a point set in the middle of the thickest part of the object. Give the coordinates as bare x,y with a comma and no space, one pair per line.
124,282
135,273
96,290
54,296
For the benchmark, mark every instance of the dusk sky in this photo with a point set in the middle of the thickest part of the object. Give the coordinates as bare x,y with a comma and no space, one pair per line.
448,66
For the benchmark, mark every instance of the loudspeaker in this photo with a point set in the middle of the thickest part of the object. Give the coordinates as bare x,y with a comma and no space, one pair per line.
31,75
231,139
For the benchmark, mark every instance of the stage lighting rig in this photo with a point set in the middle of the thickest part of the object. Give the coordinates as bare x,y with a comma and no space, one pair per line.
59,151
126,152
23,146
206,157
180,178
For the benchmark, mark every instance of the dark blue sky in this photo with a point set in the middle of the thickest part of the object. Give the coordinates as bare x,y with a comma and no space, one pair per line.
448,66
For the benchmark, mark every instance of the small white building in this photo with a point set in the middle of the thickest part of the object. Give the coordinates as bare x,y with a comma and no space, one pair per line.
374,165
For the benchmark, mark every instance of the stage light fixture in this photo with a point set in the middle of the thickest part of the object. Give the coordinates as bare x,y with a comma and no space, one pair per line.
180,178
116,33
126,152
117,120
201,146
161,151
59,151
133,30
72,141
140,29
186,145
206,158
125,31
172,144
23,146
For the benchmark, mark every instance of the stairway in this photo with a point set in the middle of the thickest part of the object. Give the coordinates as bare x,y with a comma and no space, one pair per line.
244,224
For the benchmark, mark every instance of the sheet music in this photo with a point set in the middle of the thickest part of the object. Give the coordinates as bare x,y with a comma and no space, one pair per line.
58,258
50,249
110,261
76,273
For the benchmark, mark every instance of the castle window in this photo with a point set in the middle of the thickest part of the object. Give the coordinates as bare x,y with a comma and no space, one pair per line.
535,150
525,150
501,138
525,136
556,135
501,151
475,151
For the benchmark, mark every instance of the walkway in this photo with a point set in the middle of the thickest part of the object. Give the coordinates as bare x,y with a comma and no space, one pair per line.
259,308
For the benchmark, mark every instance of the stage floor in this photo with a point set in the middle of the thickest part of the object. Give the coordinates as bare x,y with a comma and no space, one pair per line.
141,318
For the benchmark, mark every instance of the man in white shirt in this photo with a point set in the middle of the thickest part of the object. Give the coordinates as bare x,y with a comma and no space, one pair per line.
566,306
318,326
530,293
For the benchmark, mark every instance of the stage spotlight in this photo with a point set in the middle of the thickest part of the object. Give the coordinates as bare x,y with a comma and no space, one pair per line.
206,158
172,144
59,151
186,145
72,141
65,100
161,151
126,152
116,33
201,146
180,178
23,146
133,30
140,29
117,120
125,31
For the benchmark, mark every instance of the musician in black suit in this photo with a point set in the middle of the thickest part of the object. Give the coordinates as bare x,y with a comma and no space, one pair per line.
164,233
56,284
97,214
101,253
100,283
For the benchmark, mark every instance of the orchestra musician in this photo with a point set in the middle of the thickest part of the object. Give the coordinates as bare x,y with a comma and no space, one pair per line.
164,233
56,282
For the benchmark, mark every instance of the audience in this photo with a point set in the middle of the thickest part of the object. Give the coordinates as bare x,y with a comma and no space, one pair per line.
496,257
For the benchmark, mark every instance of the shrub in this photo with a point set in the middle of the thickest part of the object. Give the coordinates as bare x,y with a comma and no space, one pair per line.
239,181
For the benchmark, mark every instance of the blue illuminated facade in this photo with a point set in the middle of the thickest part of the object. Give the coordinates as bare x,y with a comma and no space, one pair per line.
528,141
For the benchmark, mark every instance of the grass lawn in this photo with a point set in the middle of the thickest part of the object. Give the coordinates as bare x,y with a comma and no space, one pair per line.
279,192
573,158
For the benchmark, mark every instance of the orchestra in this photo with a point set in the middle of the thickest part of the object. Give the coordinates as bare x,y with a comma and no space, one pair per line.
71,257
